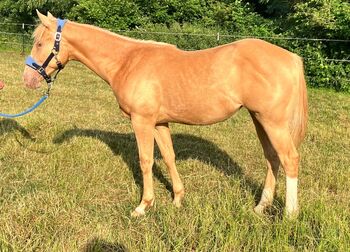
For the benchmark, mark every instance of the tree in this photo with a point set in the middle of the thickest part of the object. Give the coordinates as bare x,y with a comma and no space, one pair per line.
24,11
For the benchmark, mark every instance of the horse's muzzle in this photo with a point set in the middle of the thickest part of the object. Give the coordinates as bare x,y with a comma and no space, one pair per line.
31,78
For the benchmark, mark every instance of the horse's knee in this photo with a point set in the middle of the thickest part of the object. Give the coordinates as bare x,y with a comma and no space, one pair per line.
146,164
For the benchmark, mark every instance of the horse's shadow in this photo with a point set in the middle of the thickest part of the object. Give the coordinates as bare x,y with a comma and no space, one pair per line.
99,245
186,147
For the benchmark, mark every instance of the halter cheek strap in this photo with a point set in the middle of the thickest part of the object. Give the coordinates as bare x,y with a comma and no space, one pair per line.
54,52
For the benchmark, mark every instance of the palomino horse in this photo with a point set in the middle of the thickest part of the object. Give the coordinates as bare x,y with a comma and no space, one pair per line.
157,83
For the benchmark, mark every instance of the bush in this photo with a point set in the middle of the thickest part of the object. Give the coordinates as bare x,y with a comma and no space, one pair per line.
25,11
327,19
118,14
310,18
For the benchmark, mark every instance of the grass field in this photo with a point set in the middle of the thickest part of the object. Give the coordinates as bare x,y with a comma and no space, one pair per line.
70,177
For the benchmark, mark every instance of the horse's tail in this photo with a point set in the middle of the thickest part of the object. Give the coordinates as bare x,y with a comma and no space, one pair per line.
298,122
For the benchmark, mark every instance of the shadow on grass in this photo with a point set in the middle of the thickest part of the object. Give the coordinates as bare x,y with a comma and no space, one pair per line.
185,146
98,245
10,125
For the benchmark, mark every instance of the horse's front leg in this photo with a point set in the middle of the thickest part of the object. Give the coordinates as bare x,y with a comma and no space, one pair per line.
144,132
165,144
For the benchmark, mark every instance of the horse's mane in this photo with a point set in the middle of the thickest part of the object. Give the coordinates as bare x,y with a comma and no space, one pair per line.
40,29
125,37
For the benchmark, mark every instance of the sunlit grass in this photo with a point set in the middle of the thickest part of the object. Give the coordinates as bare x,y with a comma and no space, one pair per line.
70,177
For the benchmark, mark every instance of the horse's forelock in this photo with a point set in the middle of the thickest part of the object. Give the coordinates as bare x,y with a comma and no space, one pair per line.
38,32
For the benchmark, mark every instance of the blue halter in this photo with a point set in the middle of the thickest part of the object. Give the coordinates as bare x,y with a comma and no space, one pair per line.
41,70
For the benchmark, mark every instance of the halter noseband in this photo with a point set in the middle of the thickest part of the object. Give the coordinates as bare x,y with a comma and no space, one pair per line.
54,52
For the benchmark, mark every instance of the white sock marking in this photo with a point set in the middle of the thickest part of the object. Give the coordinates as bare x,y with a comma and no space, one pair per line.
291,195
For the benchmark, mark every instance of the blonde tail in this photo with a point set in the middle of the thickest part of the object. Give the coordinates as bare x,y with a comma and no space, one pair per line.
298,122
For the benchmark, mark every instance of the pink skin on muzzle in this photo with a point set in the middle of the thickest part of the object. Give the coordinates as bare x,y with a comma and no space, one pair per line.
31,78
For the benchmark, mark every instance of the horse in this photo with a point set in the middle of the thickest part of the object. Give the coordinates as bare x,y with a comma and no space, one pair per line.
156,84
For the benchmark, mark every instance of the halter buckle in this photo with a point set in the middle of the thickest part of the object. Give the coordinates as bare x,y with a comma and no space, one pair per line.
58,36
41,70
54,51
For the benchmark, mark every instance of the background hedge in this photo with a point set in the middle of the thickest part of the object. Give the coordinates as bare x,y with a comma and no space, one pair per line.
328,19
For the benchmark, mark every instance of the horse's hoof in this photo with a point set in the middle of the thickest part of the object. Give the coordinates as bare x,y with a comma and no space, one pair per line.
177,203
138,212
292,215
178,198
259,210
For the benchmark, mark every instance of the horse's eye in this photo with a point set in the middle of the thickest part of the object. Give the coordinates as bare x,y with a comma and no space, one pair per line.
40,44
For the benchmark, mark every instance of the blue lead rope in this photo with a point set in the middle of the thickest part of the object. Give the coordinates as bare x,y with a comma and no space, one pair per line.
28,110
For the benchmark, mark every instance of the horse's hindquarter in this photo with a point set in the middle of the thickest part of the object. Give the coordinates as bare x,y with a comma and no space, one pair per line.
268,76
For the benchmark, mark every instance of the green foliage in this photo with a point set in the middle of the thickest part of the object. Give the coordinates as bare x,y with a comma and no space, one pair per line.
185,38
118,14
234,17
228,16
328,19
323,73
264,18
24,11
322,18
272,8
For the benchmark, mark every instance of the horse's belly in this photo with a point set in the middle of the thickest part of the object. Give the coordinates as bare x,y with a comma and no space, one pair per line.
201,112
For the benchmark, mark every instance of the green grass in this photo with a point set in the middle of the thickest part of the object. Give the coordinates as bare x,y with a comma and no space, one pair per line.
70,177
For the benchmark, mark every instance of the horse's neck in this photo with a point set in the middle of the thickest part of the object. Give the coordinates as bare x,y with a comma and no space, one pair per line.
100,50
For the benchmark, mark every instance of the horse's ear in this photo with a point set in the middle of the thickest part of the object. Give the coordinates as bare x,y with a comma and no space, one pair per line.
49,15
44,19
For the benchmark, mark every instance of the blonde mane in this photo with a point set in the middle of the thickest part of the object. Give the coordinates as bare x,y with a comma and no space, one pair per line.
125,37
40,29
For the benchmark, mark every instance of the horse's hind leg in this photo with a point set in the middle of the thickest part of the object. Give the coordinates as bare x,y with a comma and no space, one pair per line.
273,164
163,139
282,142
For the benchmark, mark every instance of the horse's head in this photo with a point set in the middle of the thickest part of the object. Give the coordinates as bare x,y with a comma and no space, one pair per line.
44,40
